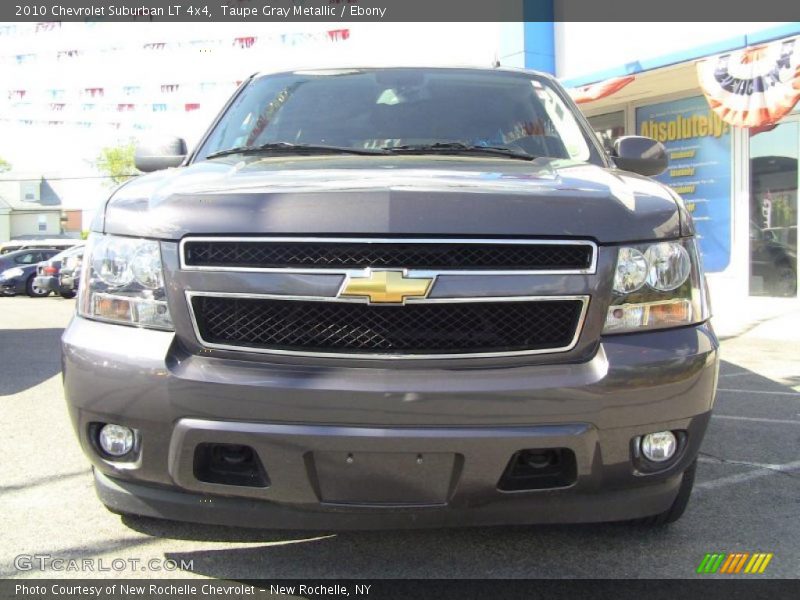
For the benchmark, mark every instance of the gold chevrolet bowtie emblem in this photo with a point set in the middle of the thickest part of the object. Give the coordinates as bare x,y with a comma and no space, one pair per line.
384,287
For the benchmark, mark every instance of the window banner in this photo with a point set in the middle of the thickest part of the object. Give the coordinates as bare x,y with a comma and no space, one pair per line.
698,144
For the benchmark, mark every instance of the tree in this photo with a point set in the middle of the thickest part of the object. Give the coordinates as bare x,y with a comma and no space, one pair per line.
117,163
4,165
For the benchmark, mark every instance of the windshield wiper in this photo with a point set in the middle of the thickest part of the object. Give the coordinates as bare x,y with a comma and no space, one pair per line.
290,148
458,148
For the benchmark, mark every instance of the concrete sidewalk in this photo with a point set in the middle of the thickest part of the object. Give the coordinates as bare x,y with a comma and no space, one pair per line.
761,336
735,316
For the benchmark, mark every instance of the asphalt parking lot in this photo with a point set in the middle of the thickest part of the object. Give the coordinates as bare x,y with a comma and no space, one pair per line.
747,496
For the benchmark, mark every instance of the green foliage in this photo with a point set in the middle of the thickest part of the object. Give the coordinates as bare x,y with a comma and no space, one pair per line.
4,165
117,163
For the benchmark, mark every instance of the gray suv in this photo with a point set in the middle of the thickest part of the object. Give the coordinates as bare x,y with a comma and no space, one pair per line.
394,298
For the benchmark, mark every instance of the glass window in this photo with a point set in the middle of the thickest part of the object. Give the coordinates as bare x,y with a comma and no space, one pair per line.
26,259
773,210
608,127
377,108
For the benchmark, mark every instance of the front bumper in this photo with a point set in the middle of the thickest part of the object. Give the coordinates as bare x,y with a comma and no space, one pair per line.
13,286
47,282
468,421
68,282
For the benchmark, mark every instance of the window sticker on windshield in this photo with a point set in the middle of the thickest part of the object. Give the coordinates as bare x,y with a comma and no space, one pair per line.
269,112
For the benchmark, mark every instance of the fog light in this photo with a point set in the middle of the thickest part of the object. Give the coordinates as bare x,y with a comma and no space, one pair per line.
660,446
116,440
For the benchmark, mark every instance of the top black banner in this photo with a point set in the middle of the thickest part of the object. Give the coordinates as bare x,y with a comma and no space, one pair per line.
400,10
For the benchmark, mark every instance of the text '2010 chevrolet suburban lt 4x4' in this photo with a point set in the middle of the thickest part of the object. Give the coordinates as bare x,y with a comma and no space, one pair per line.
394,298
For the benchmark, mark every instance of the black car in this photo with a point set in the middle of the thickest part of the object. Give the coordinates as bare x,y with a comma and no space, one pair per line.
18,271
48,273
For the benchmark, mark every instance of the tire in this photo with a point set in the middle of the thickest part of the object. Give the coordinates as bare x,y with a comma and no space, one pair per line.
33,290
68,294
674,512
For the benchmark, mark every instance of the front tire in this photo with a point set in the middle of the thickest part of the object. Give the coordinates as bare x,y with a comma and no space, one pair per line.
33,290
674,512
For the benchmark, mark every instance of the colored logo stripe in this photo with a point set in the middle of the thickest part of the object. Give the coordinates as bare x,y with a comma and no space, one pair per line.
733,563
758,563
710,563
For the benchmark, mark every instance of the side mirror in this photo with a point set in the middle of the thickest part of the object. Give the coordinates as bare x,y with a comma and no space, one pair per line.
160,154
639,154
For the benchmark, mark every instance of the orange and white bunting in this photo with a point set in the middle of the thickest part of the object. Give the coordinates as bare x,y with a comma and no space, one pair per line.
753,87
602,89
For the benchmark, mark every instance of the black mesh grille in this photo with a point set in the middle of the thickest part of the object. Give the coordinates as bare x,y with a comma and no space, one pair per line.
451,328
354,255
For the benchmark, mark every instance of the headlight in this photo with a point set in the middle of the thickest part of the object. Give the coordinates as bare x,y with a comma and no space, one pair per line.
657,286
12,272
668,265
123,282
631,272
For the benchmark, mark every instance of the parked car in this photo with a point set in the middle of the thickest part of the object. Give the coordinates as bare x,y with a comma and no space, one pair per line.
18,271
70,275
47,272
772,262
435,301
58,243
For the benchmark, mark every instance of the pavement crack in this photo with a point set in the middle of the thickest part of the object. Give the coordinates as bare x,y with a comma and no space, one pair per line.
781,469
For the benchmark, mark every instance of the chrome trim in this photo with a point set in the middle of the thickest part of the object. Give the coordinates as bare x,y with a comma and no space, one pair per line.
348,240
378,356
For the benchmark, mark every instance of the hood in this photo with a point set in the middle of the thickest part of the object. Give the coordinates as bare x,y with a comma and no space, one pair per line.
431,195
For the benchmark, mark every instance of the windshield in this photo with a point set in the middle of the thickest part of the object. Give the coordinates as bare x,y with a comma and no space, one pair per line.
389,108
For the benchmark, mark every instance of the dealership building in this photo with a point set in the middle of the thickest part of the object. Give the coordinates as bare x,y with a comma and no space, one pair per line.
84,86
738,175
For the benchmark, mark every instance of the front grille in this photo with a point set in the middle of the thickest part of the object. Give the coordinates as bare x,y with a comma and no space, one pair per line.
358,254
356,328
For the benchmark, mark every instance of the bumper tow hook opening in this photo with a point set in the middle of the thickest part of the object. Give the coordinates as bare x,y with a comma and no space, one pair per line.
539,469
229,464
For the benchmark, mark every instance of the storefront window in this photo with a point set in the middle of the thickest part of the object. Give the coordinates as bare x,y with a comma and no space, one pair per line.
773,210
608,127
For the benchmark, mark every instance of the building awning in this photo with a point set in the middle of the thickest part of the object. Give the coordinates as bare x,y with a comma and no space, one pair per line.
755,86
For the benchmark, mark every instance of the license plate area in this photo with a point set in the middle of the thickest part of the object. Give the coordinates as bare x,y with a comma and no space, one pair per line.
384,478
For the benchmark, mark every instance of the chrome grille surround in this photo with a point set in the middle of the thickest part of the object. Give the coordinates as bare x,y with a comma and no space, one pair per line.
583,299
588,270
347,273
